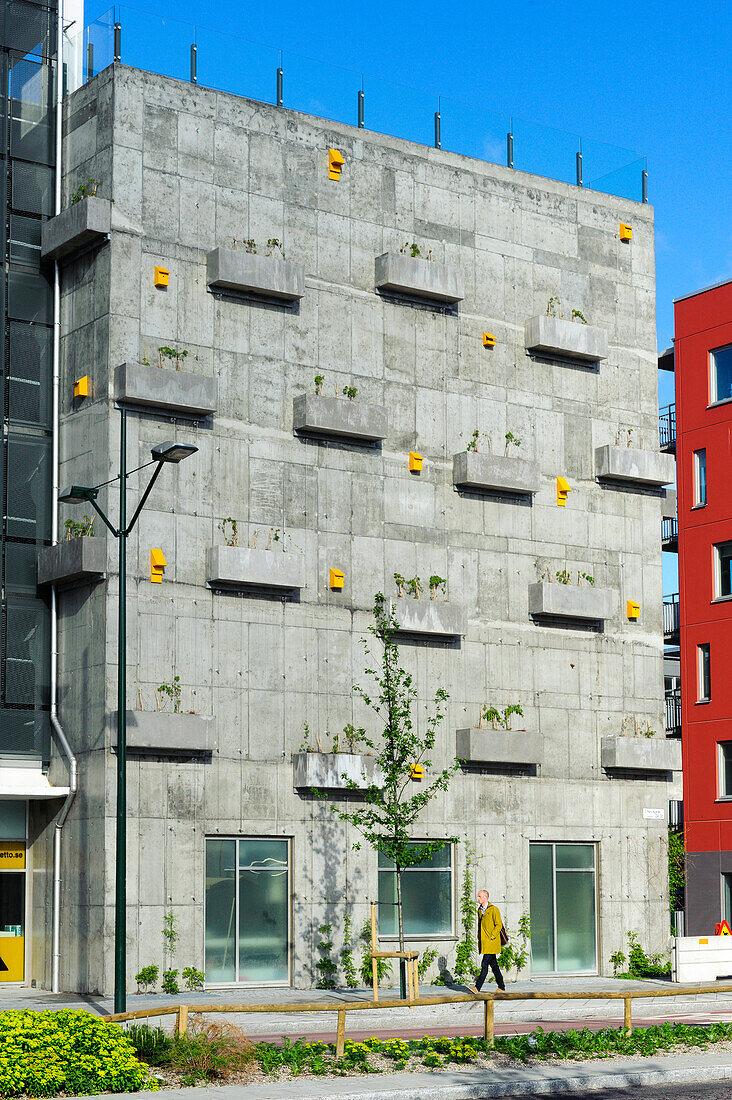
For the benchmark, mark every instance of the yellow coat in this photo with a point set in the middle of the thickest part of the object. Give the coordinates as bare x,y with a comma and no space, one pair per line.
489,935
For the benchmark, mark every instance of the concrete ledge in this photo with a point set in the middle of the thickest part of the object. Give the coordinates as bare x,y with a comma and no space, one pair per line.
419,278
85,223
634,466
554,336
164,732
444,620
238,567
488,746
74,560
500,473
325,770
569,601
247,273
174,391
314,414
668,504
646,754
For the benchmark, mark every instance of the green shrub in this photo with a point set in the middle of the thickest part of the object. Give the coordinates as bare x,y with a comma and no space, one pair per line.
147,977
152,1044
193,979
73,1052
170,982
208,1052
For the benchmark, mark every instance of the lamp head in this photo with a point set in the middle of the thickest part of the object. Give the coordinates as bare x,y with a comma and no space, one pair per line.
172,452
76,493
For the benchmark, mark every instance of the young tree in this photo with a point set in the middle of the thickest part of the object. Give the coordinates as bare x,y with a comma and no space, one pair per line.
386,816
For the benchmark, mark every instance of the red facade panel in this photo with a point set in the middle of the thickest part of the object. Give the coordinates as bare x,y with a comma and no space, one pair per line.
703,322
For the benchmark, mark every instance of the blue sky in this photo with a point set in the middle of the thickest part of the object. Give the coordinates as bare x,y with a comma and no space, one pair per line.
651,78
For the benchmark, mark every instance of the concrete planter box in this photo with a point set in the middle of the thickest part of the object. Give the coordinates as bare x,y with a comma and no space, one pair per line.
433,617
567,339
313,414
85,223
163,732
634,466
247,273
498,473
569,601
398,274
83,559
488,746
238,567
325,770
646,754
173,391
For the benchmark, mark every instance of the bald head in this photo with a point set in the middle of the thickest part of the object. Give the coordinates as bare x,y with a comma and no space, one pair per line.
482,897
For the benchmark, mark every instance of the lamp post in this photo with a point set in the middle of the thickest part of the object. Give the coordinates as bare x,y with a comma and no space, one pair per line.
75,494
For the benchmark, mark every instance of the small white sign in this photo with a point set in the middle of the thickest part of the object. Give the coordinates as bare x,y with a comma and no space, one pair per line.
651,814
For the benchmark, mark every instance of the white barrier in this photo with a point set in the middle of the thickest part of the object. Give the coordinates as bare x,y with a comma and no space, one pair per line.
701,958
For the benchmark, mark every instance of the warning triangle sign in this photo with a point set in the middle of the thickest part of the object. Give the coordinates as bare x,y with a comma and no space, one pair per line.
722,929
3,967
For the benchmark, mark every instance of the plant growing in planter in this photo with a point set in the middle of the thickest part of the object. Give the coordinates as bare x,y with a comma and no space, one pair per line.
415,587
511,441
585,577
400,583
350,392
229,528
473,444
437,585
500,719
554,307
85,191
172,691
272,244
563,576
319,379
147,978
193,979
578,315
79,530
172,354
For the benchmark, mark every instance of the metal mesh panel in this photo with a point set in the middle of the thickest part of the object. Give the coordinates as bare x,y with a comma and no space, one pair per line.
25,731
27,494
25,240
31,111
28,28
32,188
26,671
29,374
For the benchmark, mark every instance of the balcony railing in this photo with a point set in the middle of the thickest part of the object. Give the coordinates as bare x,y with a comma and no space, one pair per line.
228,63
673,713
667,428
670,535
671,619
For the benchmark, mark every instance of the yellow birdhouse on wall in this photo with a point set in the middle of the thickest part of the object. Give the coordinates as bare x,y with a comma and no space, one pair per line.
489,340
162,276
415,462
633,609
626,232
157,565
335,163
563,491
336,579
81,386
416,772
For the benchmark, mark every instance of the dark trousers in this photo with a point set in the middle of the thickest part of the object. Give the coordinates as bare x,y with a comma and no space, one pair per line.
490,961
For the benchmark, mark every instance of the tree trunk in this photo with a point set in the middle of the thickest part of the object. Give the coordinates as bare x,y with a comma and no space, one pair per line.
399,906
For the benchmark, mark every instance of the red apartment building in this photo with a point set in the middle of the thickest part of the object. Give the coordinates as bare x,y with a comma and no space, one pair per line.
703,366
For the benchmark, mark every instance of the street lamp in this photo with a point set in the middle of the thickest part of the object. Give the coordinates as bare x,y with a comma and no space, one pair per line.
163,453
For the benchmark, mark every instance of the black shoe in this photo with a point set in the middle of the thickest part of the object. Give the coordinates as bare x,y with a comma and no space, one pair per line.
502,988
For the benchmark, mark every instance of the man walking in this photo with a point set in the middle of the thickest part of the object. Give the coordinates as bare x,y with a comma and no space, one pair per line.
489,941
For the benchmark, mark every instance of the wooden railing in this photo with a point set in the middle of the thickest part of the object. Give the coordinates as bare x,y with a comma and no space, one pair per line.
181,1012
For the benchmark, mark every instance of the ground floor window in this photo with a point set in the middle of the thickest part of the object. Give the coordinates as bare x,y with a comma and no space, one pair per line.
727,898
247,911
563,903
426,896
13,843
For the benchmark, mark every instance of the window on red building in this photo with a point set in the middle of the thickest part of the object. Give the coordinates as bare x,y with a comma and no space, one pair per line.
704,677
720,363
722,570
700,477
725,769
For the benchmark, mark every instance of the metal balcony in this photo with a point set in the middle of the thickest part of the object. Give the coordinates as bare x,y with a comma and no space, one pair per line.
667,429
673,712
671,619
670,535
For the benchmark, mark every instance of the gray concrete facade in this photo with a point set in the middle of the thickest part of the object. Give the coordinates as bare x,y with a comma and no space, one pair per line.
189,170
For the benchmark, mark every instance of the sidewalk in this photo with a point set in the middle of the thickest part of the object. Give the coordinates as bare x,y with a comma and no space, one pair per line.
421,1017
595,1076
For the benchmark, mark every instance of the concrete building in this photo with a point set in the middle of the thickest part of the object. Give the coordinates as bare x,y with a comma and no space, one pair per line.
482,332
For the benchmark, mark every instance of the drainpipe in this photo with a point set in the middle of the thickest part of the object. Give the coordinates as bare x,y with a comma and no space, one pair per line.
60,735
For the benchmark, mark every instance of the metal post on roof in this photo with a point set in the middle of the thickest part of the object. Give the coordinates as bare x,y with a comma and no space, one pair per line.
360,110
509,148
89,60
117,41
438,138
280,76
194,63
579,168
644,186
